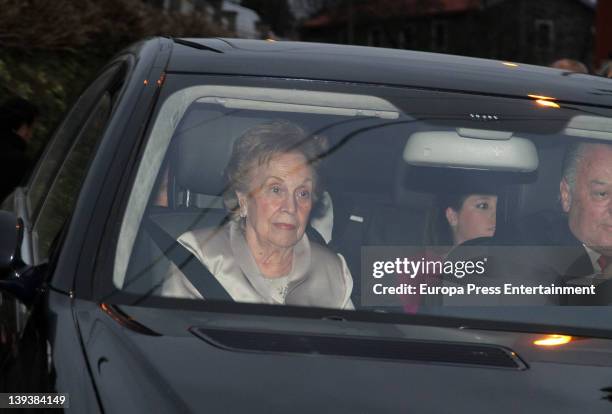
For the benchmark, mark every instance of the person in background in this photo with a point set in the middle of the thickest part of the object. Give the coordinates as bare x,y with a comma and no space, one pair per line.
17,119
570,65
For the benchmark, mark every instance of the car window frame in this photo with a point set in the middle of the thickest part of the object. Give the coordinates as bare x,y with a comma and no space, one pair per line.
81,110
90,231
110,81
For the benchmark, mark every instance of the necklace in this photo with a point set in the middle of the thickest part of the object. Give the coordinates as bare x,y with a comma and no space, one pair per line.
282,290
279,287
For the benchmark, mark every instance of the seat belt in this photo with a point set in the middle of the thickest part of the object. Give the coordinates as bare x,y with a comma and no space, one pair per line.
194,270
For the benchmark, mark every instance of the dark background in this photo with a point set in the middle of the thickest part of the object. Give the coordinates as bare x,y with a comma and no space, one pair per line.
50,50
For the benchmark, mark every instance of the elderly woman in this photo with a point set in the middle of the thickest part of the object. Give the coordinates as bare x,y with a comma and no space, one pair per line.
263,254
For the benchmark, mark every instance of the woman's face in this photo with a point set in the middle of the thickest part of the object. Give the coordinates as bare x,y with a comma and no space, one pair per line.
476,218
279,201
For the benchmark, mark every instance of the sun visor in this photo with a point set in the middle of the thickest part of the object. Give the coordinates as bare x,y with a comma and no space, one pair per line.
311,102
590,126
473,149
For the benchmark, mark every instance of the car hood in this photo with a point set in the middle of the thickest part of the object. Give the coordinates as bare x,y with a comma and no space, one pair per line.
172,365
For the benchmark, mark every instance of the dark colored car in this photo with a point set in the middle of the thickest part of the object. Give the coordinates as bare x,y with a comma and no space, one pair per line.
90,246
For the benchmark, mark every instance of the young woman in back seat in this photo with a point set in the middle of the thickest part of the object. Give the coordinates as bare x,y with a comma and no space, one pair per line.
455,219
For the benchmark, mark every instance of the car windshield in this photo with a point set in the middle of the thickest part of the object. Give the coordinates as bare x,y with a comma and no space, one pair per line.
374,198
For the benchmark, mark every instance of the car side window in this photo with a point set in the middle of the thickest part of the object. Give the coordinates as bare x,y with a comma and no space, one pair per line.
61,198
64,139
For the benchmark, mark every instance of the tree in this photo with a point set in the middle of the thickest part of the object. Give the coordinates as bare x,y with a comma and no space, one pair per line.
50,50
69,24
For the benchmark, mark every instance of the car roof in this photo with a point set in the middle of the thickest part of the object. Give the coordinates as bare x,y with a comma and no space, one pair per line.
301,60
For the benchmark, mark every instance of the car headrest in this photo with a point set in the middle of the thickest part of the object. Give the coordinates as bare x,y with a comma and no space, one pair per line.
206,136
543,194
407,192
322,217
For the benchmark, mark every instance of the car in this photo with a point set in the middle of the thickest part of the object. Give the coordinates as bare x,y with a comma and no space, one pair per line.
139,173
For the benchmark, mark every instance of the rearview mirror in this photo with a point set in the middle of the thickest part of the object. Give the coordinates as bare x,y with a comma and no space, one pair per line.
471,149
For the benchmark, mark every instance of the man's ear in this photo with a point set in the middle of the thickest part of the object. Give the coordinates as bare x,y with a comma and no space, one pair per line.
451,216
566,195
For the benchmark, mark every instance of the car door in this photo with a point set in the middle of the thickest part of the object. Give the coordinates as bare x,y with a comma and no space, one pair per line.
47,204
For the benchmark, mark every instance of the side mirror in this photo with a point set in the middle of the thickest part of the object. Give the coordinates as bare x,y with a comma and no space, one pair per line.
17,278
11,235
